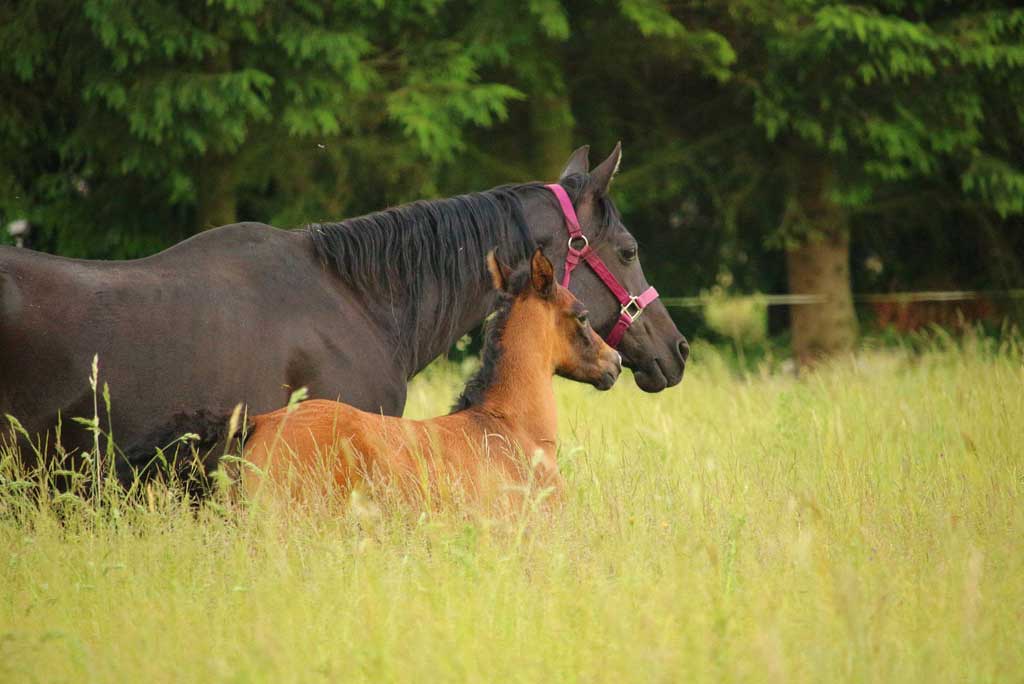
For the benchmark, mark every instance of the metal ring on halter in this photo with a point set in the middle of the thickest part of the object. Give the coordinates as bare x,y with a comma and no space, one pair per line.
586,243
636,307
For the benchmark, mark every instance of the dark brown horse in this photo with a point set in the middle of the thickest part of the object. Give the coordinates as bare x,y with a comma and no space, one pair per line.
350,310
499,439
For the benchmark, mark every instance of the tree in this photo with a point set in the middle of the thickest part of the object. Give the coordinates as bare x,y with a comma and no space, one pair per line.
860,98
148,120
794,120
752,129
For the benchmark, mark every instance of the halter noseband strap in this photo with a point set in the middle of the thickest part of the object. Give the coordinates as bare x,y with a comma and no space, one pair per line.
579,250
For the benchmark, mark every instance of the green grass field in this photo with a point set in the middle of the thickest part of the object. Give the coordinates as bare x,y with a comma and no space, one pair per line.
862,523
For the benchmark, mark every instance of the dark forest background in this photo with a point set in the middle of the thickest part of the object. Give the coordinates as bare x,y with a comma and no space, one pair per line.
769,146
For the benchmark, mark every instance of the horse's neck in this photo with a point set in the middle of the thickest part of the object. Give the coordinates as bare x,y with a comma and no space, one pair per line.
476,304
475,307
522,394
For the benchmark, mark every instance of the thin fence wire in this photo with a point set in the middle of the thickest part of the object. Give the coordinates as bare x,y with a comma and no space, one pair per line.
893,297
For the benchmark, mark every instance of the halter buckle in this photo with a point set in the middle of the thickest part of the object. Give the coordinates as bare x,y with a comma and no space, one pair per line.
586,243
632,309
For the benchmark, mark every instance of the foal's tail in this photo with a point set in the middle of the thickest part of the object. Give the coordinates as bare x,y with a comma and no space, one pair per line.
188,448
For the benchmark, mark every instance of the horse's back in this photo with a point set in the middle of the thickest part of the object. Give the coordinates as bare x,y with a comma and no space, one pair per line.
233,239
302,430
305,443
242,313
156,323
320,446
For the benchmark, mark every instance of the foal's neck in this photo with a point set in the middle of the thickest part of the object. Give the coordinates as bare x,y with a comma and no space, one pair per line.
521,393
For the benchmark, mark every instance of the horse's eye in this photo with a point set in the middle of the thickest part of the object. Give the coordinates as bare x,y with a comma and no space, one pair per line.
629,254
582,318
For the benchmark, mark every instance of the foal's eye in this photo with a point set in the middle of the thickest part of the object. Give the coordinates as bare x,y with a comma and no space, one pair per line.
629,254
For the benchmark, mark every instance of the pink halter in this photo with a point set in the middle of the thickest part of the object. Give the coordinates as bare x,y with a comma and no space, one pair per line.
632,306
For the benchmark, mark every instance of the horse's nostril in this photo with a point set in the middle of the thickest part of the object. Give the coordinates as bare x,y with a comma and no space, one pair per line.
684,349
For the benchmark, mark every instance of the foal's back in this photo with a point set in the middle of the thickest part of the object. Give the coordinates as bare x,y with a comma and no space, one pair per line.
320,442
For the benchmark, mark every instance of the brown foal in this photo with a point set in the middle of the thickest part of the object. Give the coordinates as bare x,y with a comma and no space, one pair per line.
500,437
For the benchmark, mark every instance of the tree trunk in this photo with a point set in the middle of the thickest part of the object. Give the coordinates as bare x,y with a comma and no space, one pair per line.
216,177
216,193
551,125
819,264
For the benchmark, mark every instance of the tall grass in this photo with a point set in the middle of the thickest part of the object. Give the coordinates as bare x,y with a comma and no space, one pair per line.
862,523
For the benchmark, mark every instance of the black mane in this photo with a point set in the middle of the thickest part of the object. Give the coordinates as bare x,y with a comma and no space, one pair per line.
494,331
395,254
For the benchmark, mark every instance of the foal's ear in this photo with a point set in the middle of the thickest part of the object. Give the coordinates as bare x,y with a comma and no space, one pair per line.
542,274
500,273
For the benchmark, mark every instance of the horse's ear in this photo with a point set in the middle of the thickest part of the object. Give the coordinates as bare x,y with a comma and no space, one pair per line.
542,274
601,176
500,273
579,162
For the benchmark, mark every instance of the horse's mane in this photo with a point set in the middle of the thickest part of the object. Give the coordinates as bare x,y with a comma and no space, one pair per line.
396,254
494,331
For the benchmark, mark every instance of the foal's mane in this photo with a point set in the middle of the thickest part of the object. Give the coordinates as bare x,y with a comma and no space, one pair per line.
396,254
490,355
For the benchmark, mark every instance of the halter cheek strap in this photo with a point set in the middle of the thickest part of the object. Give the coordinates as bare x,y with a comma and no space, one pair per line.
579,250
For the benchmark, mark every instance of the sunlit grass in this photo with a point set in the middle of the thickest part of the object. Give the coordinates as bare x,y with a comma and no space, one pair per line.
863,523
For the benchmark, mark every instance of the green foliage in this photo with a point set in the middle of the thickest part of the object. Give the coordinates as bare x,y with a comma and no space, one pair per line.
552,17
653,19
172,96
120,117
897,91
914,110
997,182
